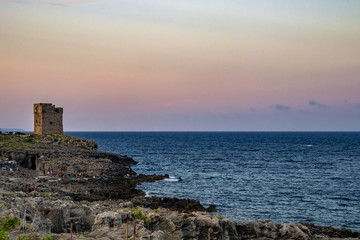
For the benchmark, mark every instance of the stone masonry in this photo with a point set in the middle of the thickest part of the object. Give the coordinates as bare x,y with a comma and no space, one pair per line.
48,119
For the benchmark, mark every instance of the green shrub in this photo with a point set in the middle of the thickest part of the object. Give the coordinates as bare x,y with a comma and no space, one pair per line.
9,223
4,235
147,223
138,214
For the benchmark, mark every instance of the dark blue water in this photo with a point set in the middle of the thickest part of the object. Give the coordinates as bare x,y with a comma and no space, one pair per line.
282,177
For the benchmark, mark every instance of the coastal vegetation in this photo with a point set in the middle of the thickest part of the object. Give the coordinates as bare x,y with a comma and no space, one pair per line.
28,141
15,141
23,238
219,217
47,237
3,204
4,235
10,223
138,214
7,224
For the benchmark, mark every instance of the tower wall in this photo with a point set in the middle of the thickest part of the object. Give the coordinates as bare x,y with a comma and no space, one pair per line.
48,119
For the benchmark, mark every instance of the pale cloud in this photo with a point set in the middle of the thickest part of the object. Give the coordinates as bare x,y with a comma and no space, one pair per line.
53,4
352,105
319,105
57,3
79,1
282,107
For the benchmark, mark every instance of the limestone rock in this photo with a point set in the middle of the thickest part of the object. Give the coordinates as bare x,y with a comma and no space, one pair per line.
290,231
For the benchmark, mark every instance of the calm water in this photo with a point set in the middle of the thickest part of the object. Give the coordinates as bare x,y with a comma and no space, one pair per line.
282,177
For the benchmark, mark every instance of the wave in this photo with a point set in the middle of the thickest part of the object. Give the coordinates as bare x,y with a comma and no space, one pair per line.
173,179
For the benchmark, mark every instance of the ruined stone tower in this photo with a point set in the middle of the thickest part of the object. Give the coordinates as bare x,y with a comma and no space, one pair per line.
47,119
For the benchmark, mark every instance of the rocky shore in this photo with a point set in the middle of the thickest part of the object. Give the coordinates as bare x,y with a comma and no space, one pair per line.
54,184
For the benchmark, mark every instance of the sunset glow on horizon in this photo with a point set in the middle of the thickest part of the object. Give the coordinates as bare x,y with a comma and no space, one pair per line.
150,65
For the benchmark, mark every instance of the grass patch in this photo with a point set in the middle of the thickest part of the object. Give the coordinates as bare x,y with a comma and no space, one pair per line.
32,138
28,141
15,141
23,238
13,145
24,227
188,215
47,237
3,204
218,217
45,195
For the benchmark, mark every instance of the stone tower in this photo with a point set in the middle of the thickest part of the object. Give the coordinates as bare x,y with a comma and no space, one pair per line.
48,119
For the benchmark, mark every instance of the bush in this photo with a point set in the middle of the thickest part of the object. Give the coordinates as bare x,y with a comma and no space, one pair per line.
138,214
4,235
9,223
147,223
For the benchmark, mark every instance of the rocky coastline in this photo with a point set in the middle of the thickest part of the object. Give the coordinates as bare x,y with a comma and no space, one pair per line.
57,184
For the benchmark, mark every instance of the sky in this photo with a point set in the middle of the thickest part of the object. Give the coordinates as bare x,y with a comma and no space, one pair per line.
189,65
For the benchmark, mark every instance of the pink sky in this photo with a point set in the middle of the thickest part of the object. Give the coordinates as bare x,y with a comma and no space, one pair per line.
195,65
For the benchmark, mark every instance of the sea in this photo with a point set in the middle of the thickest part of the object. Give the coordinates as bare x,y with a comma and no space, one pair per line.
285,177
